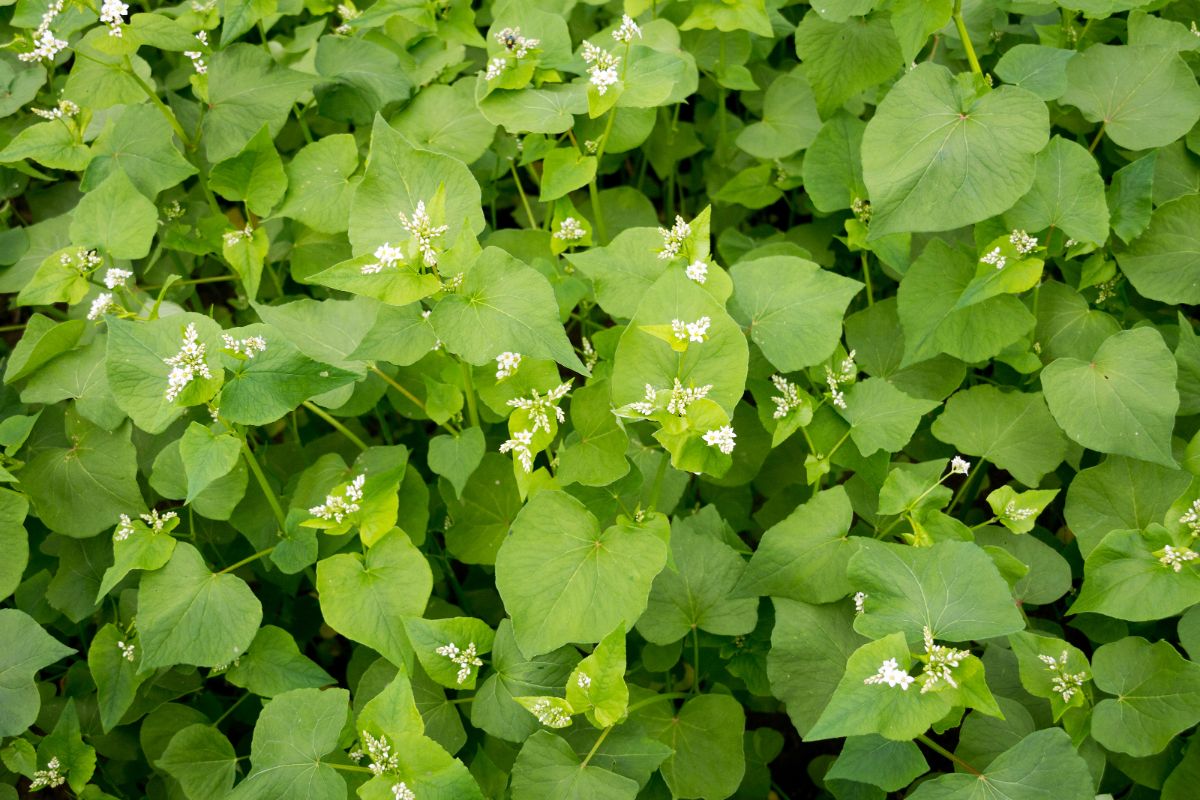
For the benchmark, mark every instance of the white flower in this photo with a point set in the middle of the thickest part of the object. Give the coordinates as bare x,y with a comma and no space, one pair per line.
519,445
124,529
590,357
539,407
788,398
48,777
860,600
602,66
83,261
102,305
115,277
591,146
721,438
1024,243
45,44
231,238
550,714
1067,684
155,522
584,681
400,791
507,364
196,56
386,257
1014,513
1176,557
627,31
861,209
889,672
1191,518
691,331
381,755
348,13
846,373
495,68
248,347
64,110
421,228
464,658
959,466
646,407
994,258
939,662
338,506
188,363
127,650
673,238
681,398
112,14
697,271
516,44
569,230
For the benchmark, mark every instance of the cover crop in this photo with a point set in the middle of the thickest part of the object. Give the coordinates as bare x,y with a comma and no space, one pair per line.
543,399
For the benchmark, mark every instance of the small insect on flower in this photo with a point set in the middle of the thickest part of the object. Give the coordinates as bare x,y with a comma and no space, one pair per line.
721,438
674,238
861,209
127,650
515,43
420,226
628,30
386,257
1067,684
48,777
959,466
188,363
83,260
1021,240
889,672
246,348
602,66
1175,557
519,446
103,304
338,506
994,258
507,364
697,271
465,659
569,230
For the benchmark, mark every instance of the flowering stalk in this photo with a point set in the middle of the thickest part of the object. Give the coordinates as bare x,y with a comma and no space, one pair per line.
267,491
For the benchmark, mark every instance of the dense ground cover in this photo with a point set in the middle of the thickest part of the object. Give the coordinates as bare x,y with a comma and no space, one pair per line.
549,399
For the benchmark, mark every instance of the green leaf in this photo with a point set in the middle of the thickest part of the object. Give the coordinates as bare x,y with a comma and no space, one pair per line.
792,307
1123,578
1018,511
1162,264
14,540
597,685
1123,401
365,597
878,761
117,679
29,649
1144,96
43,340
139,143
1067,193
239,16
206,456
622,271
188,615
457,457
804,557
319,187
1043,764
1156,695
952,588
938,154
66,743
563,579
482,517
1067,325
446,120
255,175
274,665
789,119
706,735
466,634
142,548
503,305
293,735
1013,430
1042,70
115,218
881,416
363,77
547,768
202,760
842,59
593,454
1118,494
1130,197
564,170
52,144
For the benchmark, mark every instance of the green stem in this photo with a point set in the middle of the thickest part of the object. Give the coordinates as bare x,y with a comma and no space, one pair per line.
412,398
599,740
651,700
339,427
472,405
867,278
10,328
267,491
593,187
229,710
247,560
162,107
958,496
937,748
695,660
196,281
961,25
1096,141
459,700
658,481
521,191
347,767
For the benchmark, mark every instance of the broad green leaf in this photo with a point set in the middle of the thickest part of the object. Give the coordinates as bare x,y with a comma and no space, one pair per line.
140,547
622,271
1124,578
939,154
117,679
115,218
706,735
915,20
626,750
1123,401
139,143
1130,197
43,340
804,557
1044,764
1040,69
454,667
1013,430
789,119
1162,264
1067,325
952,588
361,77
1039,678
20,82
1119,494
51,144
597,684
457,457
833,164
202,760
1156,695
792,307
547,768
445,119
878,341
564,580
842,59
319,187
593,454
398,286
65,742
29,649
1018,511
206,456
880,762
365,597
329,331
78,375
274,665
255,175
246,90
1144,96
544,110
503,305
14,540
564,170
1067,193
881,416
486,510
293,735
189,615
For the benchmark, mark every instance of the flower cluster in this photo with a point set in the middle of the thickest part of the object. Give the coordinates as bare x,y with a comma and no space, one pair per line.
861,209
157,522
102,305
959,466
420,226
64,110
939,661
1013,513
507,363
994,258
127,650
247,348
466,659
721,438
112,14
860,603
196,56
115,277
1176,557
83,260
233,237
1191,518
400,791
697,271
188,363
381,755
348,13
519,444
602,66
50,777
628,30
682,397
788,399
847,372
124,529
386,257
516,47
584,681
569,230
590,356
889,672
539,406
674,238
549,714
337,507
1021,240
691,331
45,44
1067,684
